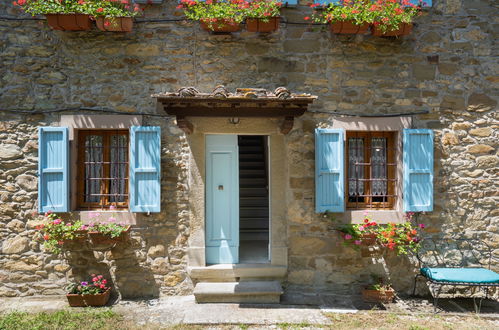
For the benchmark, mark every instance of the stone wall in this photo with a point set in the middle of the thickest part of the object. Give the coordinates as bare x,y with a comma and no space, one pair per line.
447,67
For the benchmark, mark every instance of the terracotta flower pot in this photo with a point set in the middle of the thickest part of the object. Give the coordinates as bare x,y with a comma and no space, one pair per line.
69,22
114,24
221,26
368,239
404,29
349,27
98,238
75,300
97,299
258,25
83,300
378,296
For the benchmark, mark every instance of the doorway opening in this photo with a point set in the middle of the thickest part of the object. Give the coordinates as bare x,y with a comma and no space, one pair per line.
253,199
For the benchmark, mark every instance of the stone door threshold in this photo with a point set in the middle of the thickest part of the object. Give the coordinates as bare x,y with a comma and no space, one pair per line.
236,272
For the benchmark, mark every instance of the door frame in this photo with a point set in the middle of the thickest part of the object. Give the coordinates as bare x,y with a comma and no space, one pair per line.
278,184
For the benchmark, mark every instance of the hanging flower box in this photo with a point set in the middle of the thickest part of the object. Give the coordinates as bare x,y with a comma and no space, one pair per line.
349,27
114,24
402,30
259,25
221,26
69,22
102,234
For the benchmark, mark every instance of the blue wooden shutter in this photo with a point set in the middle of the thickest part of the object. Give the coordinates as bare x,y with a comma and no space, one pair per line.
53,169
329,170
291,2
418,170
424,3
145,152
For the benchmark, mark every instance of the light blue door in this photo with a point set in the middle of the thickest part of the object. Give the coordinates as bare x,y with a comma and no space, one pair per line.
222,199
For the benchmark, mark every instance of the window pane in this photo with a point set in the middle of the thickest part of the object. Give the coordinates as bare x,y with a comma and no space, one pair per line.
118,168
355,172
93,168
378,161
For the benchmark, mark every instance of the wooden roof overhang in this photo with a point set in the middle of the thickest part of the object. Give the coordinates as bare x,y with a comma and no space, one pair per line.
188,102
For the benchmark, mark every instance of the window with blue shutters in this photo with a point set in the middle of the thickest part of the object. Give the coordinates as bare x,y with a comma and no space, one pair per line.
53,169
145,155
329,170
418,170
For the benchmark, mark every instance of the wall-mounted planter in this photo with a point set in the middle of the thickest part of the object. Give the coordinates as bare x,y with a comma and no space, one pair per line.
114,24
221,26
349,27
258,25
98,238
404,29
69,22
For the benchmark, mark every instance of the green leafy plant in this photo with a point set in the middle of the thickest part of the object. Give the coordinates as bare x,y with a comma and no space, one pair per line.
110,229
214,13
387,15
356,11
106,8
379,284
262,9
54,232
402,237
95,285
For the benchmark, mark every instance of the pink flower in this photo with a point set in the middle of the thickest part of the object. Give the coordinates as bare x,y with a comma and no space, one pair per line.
348,236
48,213
112,219
361,228
102,286
421,225
112,207
95,279
99,277
57,221
357,242
104,281
68,224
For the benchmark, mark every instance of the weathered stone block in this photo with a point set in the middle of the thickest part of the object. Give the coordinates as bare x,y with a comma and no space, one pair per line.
423,71
453,102
484,131
450,139
10,151
481,102
487,161
15,245
481,149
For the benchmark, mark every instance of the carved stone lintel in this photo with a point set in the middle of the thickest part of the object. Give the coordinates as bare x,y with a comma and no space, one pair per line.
185,125
287,124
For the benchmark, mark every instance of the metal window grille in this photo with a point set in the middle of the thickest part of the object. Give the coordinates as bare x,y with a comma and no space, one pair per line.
103,169
371,170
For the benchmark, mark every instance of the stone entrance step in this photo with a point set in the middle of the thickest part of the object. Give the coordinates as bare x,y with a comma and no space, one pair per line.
252,292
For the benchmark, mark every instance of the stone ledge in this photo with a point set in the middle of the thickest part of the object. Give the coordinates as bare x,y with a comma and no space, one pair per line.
239,292
232,272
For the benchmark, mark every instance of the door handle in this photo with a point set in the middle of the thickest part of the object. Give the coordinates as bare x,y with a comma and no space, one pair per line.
220,187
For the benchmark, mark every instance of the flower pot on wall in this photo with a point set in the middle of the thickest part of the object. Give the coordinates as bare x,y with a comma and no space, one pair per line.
114,24
258,25
403,29
378,296
220,26
349,27
98,238
69,22
368,239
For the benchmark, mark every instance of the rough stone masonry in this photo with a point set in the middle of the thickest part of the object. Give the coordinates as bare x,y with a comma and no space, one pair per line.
447,67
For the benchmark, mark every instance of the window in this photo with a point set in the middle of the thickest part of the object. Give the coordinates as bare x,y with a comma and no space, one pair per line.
103,168
371,170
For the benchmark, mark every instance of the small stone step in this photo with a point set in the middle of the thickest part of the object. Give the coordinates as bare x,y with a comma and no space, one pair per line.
251,292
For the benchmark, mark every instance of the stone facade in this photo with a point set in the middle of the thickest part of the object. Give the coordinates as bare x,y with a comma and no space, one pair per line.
446,70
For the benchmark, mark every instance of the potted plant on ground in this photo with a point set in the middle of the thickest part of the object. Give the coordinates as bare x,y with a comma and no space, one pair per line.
63,15
379,292
56,233
115,16
216,16
94,292
262,15
393,17
345,17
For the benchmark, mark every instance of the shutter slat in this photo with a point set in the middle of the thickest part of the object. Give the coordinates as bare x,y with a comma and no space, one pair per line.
145,167
53,169
329,170
418,170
